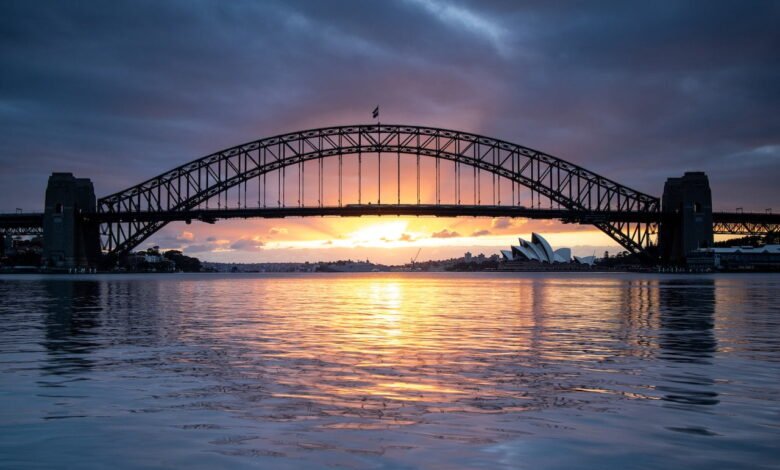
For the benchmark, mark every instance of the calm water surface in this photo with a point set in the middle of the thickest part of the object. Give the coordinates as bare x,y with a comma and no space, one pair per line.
390,371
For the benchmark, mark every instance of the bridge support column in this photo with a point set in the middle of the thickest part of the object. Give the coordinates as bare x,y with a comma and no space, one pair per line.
686,217
68,241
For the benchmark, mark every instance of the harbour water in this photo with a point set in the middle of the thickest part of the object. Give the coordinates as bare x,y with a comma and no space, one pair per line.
410,370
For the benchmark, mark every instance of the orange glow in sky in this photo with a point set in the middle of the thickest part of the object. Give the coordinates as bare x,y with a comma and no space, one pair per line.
388,240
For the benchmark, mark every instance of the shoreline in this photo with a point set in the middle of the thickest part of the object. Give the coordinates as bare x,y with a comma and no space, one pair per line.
656,270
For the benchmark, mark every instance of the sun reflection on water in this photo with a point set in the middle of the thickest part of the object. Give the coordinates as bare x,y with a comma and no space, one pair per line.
363,341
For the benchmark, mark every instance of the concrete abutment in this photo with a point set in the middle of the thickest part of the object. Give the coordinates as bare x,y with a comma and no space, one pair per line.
69,241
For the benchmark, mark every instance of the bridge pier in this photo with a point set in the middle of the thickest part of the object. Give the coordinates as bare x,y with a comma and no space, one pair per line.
69,241
686,222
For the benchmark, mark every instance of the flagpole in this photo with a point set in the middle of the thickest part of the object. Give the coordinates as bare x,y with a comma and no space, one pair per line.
379,158
375,115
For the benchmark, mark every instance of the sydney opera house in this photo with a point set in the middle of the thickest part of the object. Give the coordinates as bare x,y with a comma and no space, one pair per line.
538,251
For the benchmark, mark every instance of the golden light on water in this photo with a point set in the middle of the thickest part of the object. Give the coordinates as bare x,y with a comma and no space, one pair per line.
368,345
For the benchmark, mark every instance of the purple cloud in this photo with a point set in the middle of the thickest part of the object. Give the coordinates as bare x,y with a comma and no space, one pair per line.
246,244
501,223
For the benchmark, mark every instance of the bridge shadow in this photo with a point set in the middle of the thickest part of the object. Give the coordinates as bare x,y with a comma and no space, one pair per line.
82,317
686,339
70,323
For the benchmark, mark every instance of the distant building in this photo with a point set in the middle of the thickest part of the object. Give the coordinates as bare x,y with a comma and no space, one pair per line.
467,257
146,261
739,258
153,258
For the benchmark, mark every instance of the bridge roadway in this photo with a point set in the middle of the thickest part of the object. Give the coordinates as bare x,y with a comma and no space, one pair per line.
357,210
723,222
21,224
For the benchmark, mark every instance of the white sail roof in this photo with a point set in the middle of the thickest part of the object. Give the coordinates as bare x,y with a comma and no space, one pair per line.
539,241
525,252
538,250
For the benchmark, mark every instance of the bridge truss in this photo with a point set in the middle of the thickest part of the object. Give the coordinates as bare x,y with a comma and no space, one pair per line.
25,224
738,223
22,231
267,166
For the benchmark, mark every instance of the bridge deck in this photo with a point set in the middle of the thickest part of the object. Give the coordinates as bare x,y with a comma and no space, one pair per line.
357,210
21,224
724,222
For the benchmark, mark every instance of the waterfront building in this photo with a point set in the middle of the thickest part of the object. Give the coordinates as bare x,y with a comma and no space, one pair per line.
538,255
738,258
537,250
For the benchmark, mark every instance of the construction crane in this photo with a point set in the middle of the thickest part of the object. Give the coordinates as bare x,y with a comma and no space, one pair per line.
415,257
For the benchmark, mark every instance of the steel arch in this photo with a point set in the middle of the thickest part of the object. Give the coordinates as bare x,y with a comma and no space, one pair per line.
190,185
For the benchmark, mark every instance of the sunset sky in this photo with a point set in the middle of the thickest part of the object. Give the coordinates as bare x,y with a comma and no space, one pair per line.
121,91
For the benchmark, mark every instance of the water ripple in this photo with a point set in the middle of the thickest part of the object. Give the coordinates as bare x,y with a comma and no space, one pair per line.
414,370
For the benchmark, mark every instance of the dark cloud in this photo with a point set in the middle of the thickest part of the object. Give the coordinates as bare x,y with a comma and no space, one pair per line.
120,91
246,244
502,223
480,233
199,248
444,233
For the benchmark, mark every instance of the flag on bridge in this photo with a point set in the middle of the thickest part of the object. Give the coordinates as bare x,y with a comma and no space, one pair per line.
375,113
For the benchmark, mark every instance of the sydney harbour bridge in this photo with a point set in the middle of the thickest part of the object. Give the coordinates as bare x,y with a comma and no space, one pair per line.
378,169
